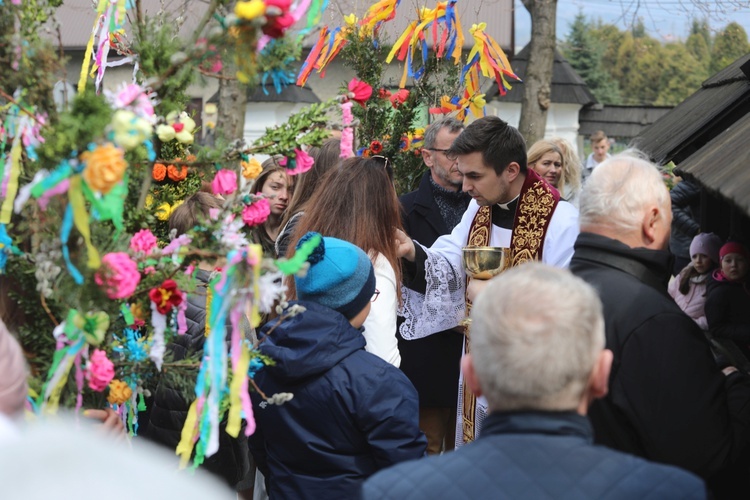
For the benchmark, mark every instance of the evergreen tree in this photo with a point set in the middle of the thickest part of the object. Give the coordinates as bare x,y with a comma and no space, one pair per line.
682,74
585,56
700,27
729,45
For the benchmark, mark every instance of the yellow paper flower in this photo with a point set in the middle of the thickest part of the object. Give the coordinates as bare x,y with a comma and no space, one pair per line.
251,169
105,167
149,201
179,126
250,10
351,20
119,392
130,130
164,210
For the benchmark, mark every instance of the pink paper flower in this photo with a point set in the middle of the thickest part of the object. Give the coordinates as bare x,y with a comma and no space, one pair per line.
118,275
101,371
347,142
225,182
346,113
359,91
303,163
256,213
143,241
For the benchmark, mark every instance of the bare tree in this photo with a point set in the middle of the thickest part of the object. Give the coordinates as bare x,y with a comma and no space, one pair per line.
538,80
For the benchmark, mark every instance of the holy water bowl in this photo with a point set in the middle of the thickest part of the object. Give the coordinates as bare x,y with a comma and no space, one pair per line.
482,263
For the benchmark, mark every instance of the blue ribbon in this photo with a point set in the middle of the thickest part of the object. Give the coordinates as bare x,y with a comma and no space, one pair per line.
67,225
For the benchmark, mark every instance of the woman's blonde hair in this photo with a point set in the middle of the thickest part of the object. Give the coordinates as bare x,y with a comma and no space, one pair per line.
541,148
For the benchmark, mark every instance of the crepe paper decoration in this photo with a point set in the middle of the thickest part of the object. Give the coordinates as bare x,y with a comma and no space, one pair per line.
10,181
378,13
100,9
179,126
119,275
100,371
62,362
447,37
399,98
119,392
301,163
164,211
181,318
239,400
251,168
143,241
93,325
254,258
248,11
6,248
166,296
129,130
133,97
257,212
294,264
105,167
490,59
279,19
81,220
327,47
158,344
359,91
472,100
225,182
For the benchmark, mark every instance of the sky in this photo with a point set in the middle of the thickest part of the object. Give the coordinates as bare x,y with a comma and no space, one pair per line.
664,19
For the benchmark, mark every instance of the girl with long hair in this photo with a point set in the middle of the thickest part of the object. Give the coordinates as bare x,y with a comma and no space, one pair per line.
546,159
275,183
356,202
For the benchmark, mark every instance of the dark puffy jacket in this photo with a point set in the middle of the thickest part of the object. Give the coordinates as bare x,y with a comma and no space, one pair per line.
533,455
668,401
170,408
686,199
352,413
728,311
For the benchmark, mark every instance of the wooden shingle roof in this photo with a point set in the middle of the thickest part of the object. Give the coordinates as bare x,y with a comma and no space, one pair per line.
624,122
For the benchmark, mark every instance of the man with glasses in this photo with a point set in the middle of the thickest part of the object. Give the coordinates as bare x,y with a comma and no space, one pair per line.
512,207
434,209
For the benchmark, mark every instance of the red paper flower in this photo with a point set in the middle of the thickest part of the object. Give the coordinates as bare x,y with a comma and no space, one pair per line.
383,93
376,147
359,91
399,98
166,296
279,17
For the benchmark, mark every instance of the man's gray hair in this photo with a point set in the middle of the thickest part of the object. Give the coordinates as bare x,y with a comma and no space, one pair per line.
450,123
536,333
619,190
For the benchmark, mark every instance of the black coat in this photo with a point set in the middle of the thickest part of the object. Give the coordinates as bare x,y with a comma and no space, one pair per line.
686,198
668,401
170,408
432,363
533,455
728,311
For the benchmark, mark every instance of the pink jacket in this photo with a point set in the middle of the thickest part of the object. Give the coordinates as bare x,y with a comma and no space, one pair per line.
694,301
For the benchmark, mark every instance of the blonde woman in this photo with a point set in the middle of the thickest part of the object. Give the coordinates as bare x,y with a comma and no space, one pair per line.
571,170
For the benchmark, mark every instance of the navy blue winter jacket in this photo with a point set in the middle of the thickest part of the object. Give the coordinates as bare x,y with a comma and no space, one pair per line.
352,413
534,455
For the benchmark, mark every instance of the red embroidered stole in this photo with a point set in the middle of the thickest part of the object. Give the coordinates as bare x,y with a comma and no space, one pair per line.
536,204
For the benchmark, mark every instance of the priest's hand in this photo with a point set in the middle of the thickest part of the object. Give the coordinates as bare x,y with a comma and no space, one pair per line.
111,425
405,246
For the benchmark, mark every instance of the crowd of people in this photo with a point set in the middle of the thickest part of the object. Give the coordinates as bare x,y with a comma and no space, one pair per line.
590,367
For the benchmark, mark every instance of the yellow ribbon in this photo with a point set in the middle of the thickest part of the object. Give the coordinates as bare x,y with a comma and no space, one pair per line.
184,449
15,170
234,419
81,220
51,405
257,253
90,47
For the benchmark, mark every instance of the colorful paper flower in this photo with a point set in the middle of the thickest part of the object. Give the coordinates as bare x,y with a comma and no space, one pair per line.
359,91
376,147
251,169
136,98
177,173
100,371
118,275
130,131
302,163
166,296
179,126
93,325
399,98
225,182
143,241
249,10
119,392
279,17
164,211
257,212
159,172
105,167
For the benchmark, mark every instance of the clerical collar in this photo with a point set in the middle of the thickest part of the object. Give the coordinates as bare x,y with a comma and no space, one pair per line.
511,205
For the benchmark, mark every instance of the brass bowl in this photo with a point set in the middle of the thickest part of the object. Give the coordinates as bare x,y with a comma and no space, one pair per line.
482,263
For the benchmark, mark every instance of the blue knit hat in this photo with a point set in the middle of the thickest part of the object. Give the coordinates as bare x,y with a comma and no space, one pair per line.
340,276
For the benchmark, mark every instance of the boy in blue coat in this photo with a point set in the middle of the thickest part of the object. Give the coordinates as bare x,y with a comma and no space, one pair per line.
352,413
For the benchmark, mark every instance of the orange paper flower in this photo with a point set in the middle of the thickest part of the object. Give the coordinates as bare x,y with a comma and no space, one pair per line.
119,392
105,167
177,172
251,169
159,172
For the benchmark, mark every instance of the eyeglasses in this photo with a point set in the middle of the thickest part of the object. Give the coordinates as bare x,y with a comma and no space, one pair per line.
375,295
386,165
449,156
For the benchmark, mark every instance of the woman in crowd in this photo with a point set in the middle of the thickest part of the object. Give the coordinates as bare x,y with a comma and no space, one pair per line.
275,183
728,300
356,202
546,159
328,156
688,289
571,170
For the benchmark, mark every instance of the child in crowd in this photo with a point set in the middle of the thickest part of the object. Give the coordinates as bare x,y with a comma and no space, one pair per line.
352,413
688,288
600,152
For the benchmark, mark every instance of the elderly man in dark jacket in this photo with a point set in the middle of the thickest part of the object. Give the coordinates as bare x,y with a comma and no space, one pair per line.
536,441
668,400
432,363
